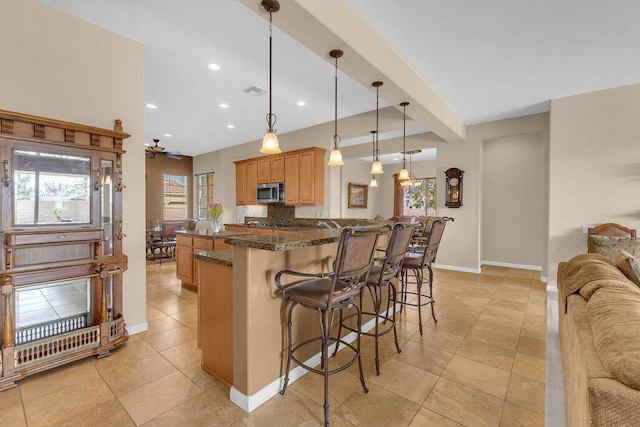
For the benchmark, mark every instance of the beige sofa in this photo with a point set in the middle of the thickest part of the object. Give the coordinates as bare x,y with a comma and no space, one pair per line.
599,330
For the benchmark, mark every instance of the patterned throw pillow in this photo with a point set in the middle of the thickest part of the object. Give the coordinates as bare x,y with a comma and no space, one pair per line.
629,265
610,246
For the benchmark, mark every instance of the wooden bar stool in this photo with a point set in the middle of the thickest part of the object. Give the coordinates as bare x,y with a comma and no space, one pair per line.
380,279
327,292
419,257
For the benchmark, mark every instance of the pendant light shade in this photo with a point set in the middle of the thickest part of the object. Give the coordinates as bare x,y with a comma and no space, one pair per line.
270,143
404,173
376,167
335,158
270,140
373,183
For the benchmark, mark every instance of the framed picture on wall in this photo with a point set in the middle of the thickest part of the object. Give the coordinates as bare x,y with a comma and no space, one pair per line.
358,195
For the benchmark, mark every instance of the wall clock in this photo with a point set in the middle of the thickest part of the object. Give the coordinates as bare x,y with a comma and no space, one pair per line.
453,193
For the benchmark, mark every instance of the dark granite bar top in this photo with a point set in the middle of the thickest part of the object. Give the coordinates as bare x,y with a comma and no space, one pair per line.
222,257
285,241
269,227
208,234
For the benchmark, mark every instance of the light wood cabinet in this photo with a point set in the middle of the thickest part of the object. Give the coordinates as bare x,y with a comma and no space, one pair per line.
304,177
241,184
186,246
277,169
271,169
67,245
302,172
291,179
215,320
246,182
251,183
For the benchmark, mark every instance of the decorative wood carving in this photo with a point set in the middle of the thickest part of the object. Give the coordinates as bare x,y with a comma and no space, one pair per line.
6,126
60,132
69,136
38,131
7,292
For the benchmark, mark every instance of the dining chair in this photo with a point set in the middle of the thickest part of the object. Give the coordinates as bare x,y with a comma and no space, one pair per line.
167,243
381,278
325,293
420,255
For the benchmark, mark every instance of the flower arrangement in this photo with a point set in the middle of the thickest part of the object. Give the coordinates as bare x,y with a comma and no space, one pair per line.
215,210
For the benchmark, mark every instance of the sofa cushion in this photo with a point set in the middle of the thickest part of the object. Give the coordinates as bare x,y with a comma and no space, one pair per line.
609,246
586,273
615,321
629,265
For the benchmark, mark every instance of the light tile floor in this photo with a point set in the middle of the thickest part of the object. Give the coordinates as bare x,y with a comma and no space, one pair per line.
482,364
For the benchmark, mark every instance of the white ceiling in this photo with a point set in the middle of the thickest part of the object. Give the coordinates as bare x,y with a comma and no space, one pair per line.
486,60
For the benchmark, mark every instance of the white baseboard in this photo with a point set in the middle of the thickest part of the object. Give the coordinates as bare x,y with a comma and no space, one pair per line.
249,403
512,265
456,268
136,329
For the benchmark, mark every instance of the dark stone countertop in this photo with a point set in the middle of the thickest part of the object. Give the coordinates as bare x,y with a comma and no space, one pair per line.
285,241
276,229
208,234
222,257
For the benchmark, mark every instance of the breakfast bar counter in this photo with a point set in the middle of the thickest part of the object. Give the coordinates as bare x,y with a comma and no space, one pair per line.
240,314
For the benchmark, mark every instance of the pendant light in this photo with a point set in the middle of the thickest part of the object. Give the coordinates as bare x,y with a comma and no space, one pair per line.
270,140
376,167
404,174
373,183
335,158
408,184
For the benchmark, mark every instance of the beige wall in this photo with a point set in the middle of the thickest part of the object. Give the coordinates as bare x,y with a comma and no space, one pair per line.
57,66
154,177
461,247
594,168
512,199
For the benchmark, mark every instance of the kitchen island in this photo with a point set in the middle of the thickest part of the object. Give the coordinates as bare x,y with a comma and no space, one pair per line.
189,242
238,285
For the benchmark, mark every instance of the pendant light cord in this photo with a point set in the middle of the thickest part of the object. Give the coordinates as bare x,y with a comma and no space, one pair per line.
335,118
271,118
404,136
377,128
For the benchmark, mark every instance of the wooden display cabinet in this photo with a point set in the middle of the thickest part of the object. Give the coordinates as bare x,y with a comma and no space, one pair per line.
62,229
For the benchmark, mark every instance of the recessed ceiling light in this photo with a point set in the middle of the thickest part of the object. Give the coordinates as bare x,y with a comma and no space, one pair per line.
214,67
230,126
301,103
223,105
168,135
152,106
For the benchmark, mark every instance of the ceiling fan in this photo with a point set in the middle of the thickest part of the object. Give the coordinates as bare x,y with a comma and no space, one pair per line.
156,150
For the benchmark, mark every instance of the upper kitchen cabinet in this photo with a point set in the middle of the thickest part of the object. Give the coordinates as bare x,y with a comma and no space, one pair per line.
246,182
302,172
310,177
271,169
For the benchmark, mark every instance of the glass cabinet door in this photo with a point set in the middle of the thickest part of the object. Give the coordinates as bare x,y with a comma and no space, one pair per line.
51,189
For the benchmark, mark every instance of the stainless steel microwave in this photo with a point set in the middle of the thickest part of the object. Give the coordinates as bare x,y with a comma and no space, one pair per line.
270,193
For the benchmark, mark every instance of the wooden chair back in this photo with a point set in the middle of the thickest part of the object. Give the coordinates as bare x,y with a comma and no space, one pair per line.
611,229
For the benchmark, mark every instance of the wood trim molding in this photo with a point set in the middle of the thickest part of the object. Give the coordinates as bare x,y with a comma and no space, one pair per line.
61,132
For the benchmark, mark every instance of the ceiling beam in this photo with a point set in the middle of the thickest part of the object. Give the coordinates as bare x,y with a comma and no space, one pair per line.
333,24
